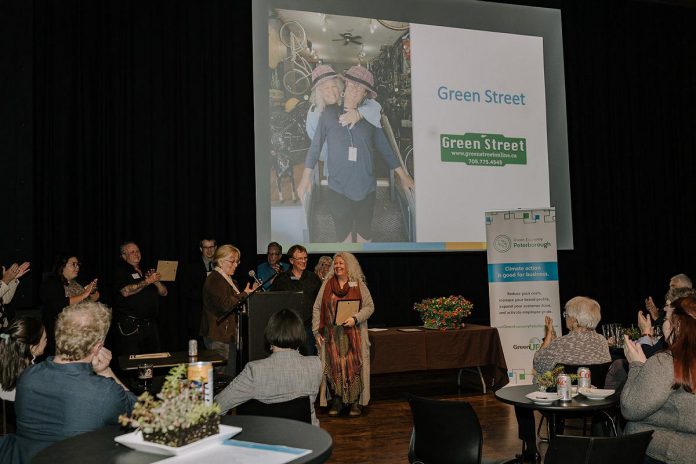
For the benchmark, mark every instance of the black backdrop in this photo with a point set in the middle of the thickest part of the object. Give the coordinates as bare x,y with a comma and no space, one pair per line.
142,129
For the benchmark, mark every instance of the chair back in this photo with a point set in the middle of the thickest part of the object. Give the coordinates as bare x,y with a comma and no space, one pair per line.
297,409
628,449
444,432
597,371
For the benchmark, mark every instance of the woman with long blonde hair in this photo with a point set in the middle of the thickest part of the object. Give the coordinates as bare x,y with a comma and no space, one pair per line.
344,345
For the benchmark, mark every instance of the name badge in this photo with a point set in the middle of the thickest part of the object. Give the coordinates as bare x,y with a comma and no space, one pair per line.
135,275
352,284
294,278
353,154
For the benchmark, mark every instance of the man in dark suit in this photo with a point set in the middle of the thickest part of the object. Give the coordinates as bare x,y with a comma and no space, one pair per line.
191,284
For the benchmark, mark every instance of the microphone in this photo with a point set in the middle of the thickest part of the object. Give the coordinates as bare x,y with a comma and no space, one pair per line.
253,275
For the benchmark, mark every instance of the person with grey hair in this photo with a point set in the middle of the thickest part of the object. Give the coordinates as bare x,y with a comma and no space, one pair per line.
581,346
136,302
74,392
677,281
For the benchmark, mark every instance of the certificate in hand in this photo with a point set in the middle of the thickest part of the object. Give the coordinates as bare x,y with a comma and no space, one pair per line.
167,269
346,309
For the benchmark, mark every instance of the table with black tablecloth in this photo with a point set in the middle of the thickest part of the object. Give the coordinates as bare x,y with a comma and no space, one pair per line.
100,447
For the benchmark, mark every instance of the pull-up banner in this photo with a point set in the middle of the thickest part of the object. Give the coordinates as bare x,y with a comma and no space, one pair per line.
522,283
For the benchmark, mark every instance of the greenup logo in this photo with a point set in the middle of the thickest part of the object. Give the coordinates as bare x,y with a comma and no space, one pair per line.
483,149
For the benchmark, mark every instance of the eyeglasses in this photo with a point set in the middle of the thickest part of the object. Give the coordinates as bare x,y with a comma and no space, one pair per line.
211,247
299,259
274,253
75,264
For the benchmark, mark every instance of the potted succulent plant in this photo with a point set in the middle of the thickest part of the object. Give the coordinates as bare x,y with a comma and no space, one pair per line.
547,380
178,416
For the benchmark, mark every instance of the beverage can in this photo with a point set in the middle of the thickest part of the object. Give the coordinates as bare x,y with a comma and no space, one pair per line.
200,374
584,377
193,348
563,387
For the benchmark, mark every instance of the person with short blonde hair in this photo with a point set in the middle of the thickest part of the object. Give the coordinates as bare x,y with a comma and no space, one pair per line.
62,397
79,328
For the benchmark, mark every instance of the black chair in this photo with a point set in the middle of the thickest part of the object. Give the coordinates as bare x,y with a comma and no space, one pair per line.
297,409
444,432
628,449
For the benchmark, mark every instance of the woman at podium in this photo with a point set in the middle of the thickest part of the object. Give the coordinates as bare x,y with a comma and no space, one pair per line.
339,324
221,294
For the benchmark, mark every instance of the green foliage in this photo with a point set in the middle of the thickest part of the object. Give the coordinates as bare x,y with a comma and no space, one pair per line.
548,378
178,406
444,312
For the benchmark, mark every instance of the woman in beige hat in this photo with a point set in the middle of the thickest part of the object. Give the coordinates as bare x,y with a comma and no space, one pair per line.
350,157
327,89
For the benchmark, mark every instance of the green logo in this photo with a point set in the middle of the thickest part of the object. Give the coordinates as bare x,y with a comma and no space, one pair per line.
483,149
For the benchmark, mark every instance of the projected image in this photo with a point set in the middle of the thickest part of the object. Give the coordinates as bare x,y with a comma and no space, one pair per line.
376,135
341,132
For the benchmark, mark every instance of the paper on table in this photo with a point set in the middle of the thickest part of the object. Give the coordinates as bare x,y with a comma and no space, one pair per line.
167,270
410,329
376,329
150,355
241,452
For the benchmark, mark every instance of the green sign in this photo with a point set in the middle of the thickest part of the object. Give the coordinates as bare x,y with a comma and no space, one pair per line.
483,149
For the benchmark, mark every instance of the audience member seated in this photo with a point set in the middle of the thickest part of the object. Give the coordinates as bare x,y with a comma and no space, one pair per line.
649,343
581,346
659,392
299,279
8,286
273,265
678,281
61,289
20,344
284,375
62,397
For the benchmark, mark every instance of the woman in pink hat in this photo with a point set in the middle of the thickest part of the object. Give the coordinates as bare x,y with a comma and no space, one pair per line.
350,159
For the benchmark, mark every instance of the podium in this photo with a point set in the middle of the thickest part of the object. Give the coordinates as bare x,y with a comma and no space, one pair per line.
260,307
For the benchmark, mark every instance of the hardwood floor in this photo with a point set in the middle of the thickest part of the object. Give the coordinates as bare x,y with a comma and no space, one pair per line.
382,433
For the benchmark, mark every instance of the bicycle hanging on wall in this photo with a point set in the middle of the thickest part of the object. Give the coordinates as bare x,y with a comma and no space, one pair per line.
296,80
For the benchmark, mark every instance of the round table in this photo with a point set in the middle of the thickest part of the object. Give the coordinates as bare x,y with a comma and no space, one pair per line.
100,447
516,396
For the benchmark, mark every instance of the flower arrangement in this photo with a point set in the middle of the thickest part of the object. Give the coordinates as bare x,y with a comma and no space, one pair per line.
444,312
547,380
178,417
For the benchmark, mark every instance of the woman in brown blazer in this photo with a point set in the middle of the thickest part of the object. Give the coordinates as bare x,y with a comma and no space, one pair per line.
220,294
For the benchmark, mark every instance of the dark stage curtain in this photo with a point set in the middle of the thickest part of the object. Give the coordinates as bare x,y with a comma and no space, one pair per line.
143,130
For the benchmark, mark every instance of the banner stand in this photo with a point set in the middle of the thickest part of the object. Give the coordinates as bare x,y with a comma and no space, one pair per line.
522,283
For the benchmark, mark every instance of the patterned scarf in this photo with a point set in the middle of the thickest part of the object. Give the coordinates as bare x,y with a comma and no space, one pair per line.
343,344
